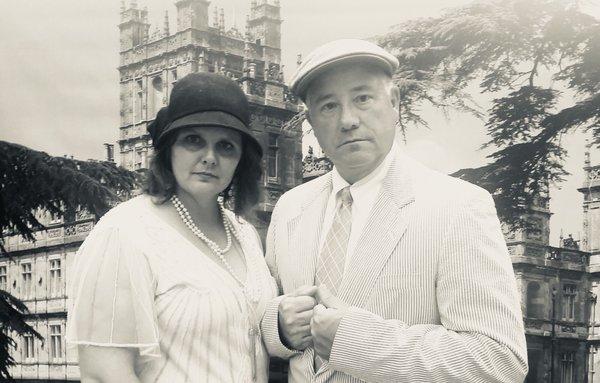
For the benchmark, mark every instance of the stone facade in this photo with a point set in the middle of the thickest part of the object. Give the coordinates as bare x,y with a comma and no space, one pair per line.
591,243
38,274
559,289
313,167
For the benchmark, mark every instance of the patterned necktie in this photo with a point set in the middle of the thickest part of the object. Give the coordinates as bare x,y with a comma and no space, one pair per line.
330,267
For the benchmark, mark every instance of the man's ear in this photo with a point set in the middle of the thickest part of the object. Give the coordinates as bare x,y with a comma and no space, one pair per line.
395,96
307,116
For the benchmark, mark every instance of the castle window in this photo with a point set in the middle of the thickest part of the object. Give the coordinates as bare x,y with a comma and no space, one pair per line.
569,294
141,158
535,301
156,99
27,280
55,278
139,98
290,174
3,278
273,157
28,347
567,370
56,342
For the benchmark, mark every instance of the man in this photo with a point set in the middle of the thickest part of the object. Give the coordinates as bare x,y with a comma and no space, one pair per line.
409,266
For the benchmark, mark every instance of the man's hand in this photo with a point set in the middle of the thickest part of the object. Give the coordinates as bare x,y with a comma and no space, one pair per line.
295,313
326,319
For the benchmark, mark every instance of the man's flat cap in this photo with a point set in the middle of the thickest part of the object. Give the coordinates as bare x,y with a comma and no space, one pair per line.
336,52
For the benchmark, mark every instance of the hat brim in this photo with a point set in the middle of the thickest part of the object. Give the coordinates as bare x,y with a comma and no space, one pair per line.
301,84
210,118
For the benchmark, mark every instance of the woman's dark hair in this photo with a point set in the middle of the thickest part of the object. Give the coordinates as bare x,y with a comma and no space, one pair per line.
160,181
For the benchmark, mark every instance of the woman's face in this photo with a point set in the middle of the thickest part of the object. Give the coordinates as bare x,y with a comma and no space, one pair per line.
204,159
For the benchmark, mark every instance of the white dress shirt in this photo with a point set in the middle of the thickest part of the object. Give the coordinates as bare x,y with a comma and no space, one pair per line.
364,193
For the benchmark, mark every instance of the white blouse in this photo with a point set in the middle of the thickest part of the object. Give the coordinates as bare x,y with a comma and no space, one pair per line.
139,283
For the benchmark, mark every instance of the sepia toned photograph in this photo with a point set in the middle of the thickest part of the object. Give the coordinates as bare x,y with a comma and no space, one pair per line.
300,191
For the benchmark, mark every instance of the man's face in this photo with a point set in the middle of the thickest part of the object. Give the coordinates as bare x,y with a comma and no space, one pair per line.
352,109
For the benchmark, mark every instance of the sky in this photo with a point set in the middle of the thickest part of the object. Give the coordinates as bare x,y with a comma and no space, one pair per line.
60,91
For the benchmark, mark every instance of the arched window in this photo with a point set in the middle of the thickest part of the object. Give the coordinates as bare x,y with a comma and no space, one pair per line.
156,99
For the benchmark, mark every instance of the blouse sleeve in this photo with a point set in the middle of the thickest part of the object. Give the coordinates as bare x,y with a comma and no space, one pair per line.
112,294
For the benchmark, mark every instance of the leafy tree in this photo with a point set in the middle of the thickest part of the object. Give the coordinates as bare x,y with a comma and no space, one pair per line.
32,183
508,48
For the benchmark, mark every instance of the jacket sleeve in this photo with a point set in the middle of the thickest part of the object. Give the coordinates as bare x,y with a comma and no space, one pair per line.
270,321
481,336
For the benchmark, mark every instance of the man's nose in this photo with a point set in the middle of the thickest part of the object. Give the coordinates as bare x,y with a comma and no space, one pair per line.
349,119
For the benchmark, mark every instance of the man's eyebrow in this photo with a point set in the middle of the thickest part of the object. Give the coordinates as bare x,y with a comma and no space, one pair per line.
361,88
357,88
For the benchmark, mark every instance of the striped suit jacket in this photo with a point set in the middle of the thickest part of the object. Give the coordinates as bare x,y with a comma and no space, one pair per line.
431,286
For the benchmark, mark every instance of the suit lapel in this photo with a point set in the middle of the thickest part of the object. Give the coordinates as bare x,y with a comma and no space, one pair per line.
305,238
384,229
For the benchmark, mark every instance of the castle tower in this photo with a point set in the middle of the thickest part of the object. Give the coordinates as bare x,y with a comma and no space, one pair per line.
192,14
148,72
133,27
265,25
591,208
536,234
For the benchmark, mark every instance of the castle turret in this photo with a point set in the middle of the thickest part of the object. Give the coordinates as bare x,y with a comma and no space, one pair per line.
192,14
133,27
216,17
591,208
222,20
265,23
166,31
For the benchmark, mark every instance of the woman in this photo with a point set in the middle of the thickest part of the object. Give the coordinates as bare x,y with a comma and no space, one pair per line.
170,286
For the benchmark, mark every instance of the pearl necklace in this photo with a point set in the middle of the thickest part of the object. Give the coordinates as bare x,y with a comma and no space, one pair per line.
185,216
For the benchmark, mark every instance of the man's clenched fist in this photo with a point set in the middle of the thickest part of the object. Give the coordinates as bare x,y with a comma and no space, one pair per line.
326,319
295,313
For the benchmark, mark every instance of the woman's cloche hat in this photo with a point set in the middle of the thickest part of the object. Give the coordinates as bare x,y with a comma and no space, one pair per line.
204,99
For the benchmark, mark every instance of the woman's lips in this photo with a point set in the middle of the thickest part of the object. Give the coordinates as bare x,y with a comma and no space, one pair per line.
206,174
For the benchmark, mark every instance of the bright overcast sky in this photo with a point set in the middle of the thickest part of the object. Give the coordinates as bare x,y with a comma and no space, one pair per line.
60,89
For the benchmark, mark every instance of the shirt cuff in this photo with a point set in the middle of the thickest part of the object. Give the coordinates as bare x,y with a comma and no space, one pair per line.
270,330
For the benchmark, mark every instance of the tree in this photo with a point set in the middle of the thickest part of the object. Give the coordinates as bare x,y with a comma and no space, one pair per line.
33,182
12,319
507,48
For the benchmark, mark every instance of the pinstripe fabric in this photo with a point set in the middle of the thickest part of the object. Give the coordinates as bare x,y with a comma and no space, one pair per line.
187,316
431,285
